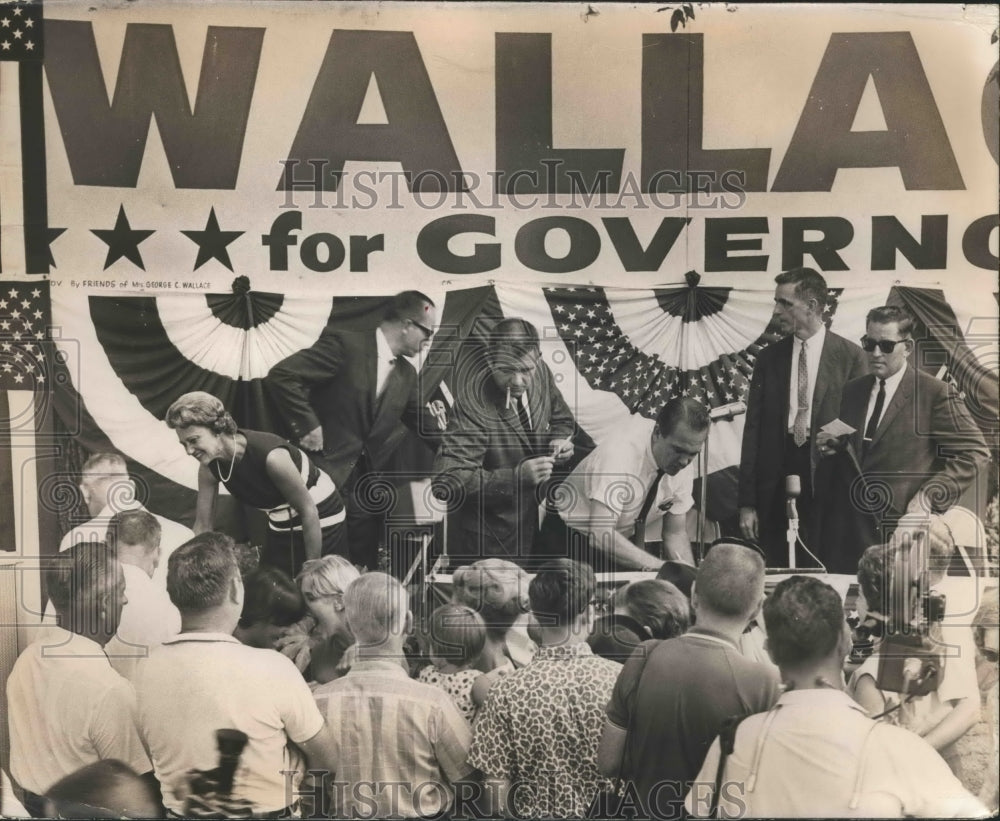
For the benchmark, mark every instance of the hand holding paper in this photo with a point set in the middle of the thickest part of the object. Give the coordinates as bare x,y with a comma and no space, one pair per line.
832,437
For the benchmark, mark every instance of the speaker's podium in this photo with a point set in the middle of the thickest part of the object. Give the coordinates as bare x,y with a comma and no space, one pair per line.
414,532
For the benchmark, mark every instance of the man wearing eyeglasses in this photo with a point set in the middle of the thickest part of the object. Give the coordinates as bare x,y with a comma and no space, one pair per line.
343,400
915,448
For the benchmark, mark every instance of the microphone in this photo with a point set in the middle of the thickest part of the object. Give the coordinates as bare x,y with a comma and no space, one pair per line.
729,411
793,489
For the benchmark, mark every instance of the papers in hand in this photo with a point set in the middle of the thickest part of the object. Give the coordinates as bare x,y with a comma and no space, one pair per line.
837,428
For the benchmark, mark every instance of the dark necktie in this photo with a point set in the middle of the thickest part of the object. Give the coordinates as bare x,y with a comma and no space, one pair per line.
639,537
876,414
522,413
800,429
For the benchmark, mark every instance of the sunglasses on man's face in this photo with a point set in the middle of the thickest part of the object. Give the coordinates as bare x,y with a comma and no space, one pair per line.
887,346
427,332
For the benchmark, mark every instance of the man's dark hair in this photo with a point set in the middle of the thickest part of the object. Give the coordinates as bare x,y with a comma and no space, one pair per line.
270,596
873,576
200,571
804,619
809,284
77,577
515,337
679,574
406,305
892,313
729,580
102,790
561,591
682,409
658,605
133,527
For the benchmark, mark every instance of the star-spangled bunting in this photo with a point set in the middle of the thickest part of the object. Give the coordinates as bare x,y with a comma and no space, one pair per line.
122,241
24,323
212,242
609,361
21,30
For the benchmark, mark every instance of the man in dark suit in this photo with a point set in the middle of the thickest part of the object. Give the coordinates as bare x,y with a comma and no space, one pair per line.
344,398
915,448
510,430
794,391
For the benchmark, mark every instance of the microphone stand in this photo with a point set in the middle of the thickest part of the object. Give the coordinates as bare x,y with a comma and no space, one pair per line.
703,499
792,534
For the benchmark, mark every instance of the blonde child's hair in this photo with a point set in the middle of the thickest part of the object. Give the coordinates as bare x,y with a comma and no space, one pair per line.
457,634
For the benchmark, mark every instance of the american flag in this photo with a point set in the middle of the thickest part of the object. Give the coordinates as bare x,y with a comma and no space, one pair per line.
25,371
609,361
21,30
24,229
24,323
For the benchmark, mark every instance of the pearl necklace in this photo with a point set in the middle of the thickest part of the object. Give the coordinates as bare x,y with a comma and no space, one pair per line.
232,464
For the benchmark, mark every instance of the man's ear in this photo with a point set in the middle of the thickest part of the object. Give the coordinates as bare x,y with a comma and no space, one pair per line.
694,596
130,483
408,623
236,590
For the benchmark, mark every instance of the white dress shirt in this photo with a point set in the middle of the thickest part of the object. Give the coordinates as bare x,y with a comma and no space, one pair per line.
814,350
891,385
149,618
172,535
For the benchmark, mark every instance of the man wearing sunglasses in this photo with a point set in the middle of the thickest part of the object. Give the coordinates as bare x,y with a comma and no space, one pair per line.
343,400
915,448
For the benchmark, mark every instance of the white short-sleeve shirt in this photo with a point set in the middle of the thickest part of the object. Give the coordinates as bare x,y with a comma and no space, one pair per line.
198,683
618,474
68,708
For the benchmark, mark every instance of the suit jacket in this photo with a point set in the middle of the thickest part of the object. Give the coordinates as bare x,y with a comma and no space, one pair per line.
494,515
925,441
766,429
333,384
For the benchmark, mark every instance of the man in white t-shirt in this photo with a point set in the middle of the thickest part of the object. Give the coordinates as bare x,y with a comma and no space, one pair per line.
640,469
816,753
67,707
203,680
149,618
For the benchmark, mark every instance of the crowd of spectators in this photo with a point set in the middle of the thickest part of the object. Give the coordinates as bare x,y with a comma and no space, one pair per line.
519,697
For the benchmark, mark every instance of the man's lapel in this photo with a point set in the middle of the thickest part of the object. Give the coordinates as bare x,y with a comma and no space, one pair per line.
899,400
783,369
370,375
824,378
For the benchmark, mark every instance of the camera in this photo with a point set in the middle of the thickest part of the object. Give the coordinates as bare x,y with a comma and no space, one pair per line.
210,795
910,660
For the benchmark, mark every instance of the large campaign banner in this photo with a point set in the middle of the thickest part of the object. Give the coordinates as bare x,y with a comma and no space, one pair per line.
190,192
